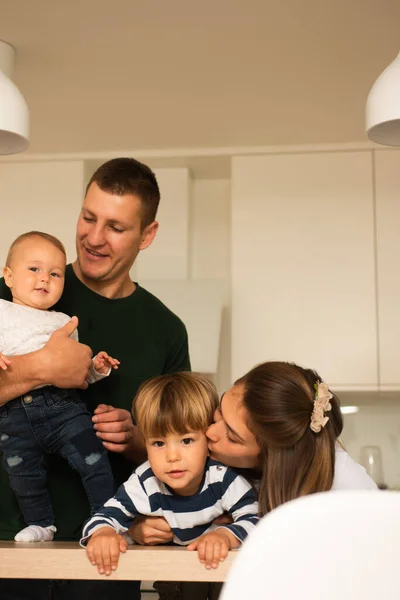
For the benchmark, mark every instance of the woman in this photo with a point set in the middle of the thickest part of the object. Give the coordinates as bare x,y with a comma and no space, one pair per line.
282,421
282,424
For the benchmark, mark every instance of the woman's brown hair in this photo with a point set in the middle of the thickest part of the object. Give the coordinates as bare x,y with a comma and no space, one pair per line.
279,398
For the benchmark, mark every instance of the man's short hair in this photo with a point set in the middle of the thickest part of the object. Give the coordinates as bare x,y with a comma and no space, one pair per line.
122,176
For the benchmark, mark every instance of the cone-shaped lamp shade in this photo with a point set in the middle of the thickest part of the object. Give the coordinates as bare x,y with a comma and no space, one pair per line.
383,107
14,113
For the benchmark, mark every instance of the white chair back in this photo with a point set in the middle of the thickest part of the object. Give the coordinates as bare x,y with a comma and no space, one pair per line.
340,545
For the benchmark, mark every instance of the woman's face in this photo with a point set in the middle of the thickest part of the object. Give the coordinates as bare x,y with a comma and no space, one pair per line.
229,439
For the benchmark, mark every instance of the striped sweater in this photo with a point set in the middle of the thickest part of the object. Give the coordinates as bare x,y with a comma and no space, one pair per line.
222,490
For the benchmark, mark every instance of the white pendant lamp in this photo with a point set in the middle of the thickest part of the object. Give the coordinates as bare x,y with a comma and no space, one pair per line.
14,112
383,107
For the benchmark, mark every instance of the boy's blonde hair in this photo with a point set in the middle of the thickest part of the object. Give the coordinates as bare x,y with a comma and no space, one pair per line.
31,234
175,403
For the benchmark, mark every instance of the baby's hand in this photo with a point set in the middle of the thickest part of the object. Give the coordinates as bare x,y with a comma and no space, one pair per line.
103,549
103,362
213,547
4,362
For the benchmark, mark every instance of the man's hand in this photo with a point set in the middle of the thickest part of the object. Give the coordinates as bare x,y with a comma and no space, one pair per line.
213,547
150,531
4,362
103,549
115,428
65,362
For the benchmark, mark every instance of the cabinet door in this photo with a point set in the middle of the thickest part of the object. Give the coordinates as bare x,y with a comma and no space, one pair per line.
44,196
387,181
303,271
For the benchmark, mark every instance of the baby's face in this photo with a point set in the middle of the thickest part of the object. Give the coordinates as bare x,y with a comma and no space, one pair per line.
35,274
178,459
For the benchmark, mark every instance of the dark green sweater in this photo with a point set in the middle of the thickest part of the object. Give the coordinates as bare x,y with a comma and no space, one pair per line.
149,340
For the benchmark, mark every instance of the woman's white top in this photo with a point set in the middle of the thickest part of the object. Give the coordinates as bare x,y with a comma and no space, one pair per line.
349,475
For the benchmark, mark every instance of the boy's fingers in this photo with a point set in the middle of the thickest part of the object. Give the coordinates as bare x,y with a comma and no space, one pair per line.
107,559
216,555
209,554
98,559
201,551
89,553
224,551
114,555
193,545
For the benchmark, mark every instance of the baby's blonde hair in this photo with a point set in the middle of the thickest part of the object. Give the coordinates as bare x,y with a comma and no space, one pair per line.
32,234
175,403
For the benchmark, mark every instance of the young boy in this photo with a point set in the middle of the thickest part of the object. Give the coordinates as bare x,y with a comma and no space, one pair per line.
47,420
178,482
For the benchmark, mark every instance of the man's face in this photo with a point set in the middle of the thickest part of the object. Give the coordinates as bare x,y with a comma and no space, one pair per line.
109,236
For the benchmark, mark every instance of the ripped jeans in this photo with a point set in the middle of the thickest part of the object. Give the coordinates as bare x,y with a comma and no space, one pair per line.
50,420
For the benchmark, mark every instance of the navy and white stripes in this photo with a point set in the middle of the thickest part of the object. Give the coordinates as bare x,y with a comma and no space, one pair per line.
189,517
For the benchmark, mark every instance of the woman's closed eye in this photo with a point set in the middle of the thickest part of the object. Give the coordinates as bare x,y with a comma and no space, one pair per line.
232,441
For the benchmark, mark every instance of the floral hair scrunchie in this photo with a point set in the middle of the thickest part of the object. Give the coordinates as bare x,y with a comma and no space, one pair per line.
321,406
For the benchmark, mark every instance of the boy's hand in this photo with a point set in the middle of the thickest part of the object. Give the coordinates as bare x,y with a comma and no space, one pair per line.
103,362
213,547
4,362
103,549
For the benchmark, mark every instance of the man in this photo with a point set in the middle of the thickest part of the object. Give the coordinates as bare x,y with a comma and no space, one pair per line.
116,222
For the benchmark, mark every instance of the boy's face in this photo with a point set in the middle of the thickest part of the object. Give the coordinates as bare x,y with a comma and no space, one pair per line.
35,274
178,460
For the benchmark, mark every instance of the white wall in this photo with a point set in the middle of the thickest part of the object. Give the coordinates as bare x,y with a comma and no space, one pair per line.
210,255
168,256
44,196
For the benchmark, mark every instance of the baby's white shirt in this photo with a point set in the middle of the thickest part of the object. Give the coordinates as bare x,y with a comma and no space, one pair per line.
24,329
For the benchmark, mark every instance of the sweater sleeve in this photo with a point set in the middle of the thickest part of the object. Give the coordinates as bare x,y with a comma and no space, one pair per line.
94,375
239,499
178,355
119,512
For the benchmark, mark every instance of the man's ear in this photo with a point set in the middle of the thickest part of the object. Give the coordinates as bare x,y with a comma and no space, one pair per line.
148,235
7,274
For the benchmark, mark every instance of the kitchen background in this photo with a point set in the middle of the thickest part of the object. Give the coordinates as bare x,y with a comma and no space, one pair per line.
278,222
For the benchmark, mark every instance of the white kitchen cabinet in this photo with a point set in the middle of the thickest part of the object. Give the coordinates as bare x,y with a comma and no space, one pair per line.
303,268
168,255
45,196
387,189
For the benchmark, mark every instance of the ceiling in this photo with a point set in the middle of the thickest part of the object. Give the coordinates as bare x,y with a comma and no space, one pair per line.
103,75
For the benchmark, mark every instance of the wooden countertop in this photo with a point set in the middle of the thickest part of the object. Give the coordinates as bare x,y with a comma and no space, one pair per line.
66,560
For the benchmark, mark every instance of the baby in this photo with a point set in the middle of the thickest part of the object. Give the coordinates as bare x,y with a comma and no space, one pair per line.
47,419
178,482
